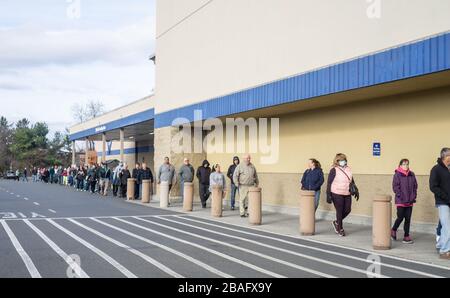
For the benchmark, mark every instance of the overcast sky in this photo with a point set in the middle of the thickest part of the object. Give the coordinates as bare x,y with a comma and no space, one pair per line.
54,53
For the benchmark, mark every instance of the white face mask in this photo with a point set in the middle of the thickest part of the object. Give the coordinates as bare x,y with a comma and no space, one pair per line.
343,163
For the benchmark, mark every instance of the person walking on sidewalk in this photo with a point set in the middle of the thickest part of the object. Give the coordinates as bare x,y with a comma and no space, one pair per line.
440,187
233,187
338,191
124,176
244,177
404,185
313,180
203,173
186,175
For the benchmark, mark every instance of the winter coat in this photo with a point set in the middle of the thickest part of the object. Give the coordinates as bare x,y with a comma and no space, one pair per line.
440,183
312,179
203,173
124,176
404,185
146,174
186,173
231,170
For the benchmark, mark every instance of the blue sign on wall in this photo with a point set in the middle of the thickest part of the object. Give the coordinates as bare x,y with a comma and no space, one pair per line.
376,149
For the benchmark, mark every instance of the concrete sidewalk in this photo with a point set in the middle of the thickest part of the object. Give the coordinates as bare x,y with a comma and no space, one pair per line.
358,236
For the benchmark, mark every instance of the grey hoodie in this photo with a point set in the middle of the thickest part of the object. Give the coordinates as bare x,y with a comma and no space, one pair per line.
217,179
166,173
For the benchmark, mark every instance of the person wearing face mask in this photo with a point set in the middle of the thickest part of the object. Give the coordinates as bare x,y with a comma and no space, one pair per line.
405,188
203,173
440,187
338,191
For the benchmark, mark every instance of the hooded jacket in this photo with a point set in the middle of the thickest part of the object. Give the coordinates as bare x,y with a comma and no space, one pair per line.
232,168
203,173
440,183
404,185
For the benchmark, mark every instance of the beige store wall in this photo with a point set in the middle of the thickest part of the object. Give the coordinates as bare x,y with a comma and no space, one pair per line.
408,126
231,45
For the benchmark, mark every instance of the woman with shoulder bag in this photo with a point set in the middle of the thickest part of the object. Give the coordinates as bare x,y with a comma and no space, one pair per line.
340,189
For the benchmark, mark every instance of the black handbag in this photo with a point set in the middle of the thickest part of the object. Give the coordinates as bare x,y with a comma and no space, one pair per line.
354,191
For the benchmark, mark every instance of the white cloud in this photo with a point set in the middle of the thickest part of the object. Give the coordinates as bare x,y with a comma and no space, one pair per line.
45,69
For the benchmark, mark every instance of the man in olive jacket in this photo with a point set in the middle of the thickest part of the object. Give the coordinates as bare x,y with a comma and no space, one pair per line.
244,177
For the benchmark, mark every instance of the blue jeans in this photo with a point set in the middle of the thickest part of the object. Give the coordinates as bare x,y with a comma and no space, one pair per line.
233,195
439,229
316,199
444,218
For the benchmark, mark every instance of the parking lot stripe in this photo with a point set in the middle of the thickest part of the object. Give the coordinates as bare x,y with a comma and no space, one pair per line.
131,250
103,255
178,253
22,253
77,269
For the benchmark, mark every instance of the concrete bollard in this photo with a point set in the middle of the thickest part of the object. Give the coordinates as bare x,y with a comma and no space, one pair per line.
217,201
164,194
146,191
130,188
188,197
307,213
254,206
381,226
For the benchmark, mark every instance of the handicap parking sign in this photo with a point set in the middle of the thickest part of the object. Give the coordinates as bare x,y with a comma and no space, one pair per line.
376,149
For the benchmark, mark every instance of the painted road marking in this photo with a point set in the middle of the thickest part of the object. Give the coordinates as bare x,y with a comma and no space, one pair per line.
36,216
261,255
325,250
171,250
18,196
275,248
132,250
36,203
233,259
22,253
103,255
13,216
52,211
26,199
58,250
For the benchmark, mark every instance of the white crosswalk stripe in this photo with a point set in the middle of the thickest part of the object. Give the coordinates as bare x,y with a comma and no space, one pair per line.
261,255
23,254
77,269
197,262
103,255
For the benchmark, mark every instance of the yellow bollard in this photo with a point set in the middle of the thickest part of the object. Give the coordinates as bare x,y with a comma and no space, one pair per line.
381,226
217,201
146,191
164,194
307,213
254,206
188,196
130,188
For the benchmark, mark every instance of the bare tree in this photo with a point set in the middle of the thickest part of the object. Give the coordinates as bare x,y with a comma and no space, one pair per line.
78,113
94,109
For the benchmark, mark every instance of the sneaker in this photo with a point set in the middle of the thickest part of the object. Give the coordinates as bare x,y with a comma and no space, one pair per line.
438,238
335,227
408,240
341,233
394,235
445,256
243,216
232,208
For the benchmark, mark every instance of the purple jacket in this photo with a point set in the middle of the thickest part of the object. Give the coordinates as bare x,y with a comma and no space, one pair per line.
405,187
